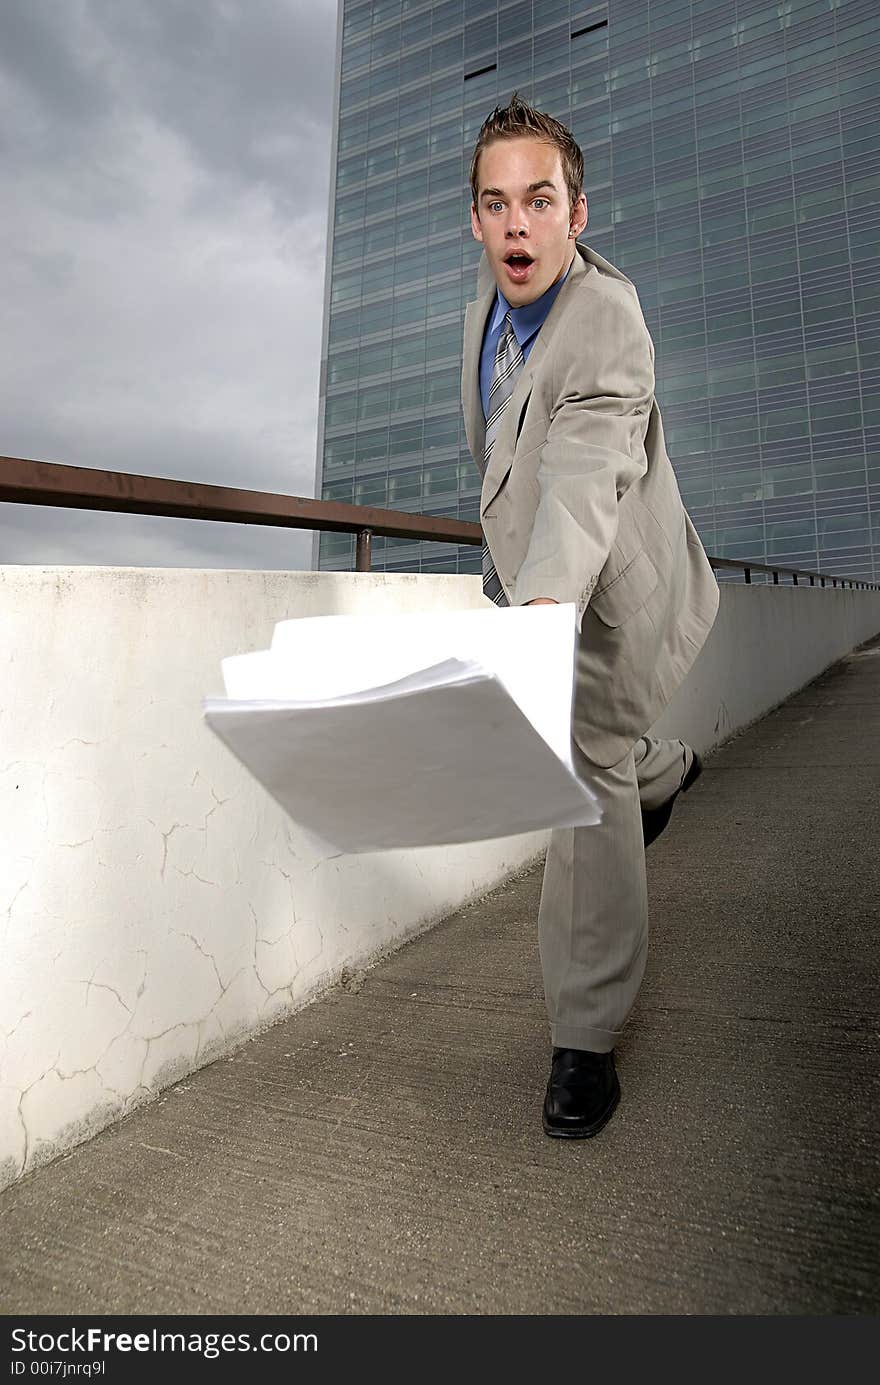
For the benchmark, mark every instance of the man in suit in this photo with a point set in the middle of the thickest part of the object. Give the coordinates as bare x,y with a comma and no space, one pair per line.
580,504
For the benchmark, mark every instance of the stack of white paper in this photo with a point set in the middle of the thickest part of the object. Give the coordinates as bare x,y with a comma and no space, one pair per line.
380,731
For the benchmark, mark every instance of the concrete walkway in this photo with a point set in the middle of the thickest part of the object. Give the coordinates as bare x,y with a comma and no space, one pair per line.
382,1151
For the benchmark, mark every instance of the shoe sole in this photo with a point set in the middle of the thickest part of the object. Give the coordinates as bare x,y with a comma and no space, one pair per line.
583,1134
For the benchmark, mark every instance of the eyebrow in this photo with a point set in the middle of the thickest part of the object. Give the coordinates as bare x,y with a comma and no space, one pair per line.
532,187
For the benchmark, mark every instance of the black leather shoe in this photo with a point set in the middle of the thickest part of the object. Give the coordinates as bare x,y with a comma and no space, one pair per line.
654,820
582,1093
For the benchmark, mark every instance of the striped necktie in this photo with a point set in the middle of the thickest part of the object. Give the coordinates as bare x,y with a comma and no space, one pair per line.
508,364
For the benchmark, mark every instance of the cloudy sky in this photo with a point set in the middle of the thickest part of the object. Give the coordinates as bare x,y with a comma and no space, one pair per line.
164,178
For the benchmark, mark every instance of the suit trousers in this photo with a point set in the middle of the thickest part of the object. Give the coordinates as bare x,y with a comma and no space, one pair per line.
593,917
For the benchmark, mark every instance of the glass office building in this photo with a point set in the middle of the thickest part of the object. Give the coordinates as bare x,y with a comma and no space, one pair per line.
732,172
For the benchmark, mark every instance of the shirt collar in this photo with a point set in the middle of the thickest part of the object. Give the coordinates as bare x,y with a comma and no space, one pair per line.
528,319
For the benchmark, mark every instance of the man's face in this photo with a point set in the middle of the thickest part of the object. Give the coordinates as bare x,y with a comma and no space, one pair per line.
523,218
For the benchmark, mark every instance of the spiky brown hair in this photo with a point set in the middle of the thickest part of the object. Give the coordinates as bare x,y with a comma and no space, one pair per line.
518,120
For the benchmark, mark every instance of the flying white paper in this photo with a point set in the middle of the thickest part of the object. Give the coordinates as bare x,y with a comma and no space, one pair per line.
383,731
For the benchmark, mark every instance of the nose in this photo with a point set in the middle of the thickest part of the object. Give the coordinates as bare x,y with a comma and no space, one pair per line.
516,224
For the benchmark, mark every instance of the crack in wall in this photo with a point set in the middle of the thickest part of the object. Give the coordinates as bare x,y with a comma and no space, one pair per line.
154,1039
180,826
135,1098
207,955
201,1046
270,995
85,1072
20,1112
273,865
242,971
23,1124
25,885
288,985
142,985
192,874
116,1037
165,837
8,1033
103,986
320,951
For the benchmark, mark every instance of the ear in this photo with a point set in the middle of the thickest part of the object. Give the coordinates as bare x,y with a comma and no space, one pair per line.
476,228
579,216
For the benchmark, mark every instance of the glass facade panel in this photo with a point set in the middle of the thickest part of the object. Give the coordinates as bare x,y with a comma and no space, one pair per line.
731,171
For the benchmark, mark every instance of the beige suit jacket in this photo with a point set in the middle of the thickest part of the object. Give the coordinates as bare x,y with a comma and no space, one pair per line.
580,502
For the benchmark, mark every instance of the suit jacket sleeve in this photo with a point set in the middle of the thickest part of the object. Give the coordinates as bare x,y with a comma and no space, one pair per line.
603,390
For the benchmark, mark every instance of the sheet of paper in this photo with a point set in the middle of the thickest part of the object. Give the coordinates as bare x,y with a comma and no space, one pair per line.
376,732
530,648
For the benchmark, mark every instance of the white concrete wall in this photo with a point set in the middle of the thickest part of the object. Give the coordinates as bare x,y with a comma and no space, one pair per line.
156,907
767,642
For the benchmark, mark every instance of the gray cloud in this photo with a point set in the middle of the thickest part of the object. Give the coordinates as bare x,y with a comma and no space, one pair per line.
165,177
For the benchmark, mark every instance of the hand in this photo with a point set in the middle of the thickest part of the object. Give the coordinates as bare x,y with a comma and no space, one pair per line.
543,601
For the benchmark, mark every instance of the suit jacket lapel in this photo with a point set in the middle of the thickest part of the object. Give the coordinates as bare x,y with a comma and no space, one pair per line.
475,317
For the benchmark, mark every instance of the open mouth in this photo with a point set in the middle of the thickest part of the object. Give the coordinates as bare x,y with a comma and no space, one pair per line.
518,263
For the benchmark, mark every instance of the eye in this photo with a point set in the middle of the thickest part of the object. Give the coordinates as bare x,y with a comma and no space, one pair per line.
496,206
540,202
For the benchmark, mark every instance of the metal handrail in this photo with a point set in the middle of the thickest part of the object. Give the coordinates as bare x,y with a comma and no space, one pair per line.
823,578
27,482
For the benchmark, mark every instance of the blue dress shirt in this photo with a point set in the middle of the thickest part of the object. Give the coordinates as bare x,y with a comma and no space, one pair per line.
527,323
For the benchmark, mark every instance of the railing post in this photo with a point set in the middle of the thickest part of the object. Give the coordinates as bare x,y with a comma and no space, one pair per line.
748,572
364,555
